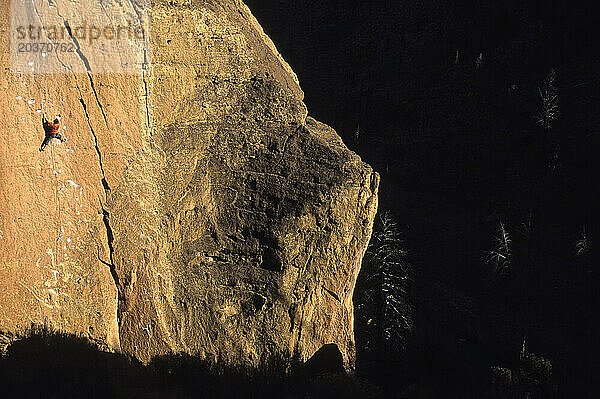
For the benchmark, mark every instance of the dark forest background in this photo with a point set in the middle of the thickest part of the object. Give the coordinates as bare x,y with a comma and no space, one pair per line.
483,119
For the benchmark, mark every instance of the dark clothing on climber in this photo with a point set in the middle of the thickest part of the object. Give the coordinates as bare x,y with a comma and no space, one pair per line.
51,131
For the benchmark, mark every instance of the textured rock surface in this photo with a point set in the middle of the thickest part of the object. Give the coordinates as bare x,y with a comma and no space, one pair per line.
195,207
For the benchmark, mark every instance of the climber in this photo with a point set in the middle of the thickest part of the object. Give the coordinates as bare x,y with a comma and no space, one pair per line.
51,131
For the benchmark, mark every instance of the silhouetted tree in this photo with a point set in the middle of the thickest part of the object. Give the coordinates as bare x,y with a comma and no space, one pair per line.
499,257
385,289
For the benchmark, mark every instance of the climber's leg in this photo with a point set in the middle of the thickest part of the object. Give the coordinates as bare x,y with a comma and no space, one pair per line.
61,138
45,143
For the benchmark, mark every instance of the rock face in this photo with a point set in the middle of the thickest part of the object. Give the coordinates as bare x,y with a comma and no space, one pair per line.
195,207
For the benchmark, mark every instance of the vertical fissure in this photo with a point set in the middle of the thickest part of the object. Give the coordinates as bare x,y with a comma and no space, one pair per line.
86,62
104,182
110,239
146,90
105,213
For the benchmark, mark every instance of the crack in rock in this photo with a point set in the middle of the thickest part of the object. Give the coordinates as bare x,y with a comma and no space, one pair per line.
86,62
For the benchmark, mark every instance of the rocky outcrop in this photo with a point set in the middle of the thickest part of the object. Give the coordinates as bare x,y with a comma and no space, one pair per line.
195,207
